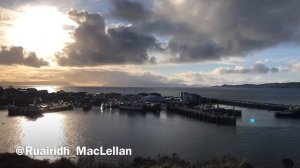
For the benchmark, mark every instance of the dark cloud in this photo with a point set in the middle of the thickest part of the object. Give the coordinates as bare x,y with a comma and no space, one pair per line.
17,56
200,30
132,10
190,53
94,45
257,68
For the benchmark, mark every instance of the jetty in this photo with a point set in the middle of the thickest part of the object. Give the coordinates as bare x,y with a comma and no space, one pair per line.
248,104
201,115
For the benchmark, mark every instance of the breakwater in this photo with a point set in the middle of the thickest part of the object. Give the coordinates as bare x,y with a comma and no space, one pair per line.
248,104
216,118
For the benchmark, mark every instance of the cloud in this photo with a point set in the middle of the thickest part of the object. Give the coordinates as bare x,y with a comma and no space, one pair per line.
97,76
257,68
130,10
200,30
198,79
6,14
17,56
17,3
123,76
119,78
94,45
296,67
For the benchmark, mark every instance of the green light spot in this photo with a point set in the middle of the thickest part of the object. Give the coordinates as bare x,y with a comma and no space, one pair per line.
252,120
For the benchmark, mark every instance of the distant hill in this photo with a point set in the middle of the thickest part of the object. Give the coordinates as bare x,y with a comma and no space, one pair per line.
267,85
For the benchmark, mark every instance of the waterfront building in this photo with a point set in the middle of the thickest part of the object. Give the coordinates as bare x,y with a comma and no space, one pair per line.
189,98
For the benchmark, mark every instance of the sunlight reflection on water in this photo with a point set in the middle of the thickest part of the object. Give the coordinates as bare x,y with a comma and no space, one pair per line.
46,130
50,88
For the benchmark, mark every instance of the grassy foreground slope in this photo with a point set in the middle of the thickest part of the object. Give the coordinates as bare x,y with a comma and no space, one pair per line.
11,160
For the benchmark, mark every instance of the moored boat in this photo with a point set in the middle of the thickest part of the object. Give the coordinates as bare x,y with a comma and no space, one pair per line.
131,107
87,107
56,108
30,110
35,110
292,112
15,110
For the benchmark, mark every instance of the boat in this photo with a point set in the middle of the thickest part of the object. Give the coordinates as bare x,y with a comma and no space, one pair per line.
60,107
15,110
219,110
154,107
2,107
30,110
35,110
131,107
87,107
292,112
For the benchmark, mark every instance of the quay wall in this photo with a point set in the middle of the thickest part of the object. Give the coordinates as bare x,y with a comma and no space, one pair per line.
203,116
249,104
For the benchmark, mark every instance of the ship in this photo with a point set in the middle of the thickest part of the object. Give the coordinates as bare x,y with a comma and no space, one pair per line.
59,107
292,112
35,110
87,107
131,106
30,110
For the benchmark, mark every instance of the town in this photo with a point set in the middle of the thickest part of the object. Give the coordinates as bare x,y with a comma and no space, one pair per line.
31,102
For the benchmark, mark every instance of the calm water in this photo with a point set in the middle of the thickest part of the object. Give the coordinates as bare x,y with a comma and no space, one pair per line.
265,143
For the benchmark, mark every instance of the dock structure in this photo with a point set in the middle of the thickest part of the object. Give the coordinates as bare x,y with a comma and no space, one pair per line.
249,104
203,116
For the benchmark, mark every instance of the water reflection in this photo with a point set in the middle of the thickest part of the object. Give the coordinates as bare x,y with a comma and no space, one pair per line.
265,142
10,130
47,131
50,88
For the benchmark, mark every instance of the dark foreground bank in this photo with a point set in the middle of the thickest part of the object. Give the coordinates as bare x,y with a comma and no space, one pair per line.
9,160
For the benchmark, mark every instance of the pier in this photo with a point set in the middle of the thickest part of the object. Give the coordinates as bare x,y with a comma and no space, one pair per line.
203,116
248,104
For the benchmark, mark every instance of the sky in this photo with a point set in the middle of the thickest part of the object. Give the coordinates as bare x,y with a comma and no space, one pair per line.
149,43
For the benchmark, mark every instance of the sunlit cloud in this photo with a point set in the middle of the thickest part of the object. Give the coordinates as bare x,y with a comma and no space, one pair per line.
296,67
257,68
40,29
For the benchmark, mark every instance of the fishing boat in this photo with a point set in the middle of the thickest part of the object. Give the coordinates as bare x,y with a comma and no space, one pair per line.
33,110
154,107
87,107
15,110
132,106
292,112
2,107
58,107
30,110
36,110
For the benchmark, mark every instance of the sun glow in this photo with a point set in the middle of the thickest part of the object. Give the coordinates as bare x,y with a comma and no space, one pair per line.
43,29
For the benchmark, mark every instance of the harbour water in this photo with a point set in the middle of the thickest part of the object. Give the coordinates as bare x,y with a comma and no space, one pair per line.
258,135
